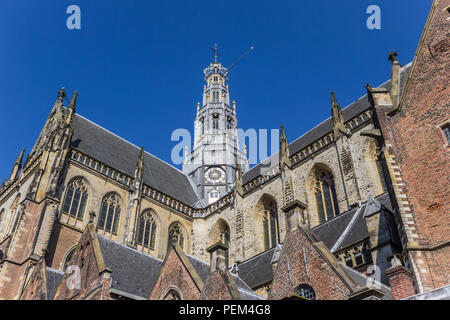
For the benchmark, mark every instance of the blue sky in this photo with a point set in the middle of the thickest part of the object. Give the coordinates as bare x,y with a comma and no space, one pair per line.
137,65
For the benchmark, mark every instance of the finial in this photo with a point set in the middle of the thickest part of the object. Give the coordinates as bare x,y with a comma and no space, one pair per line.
284,149
73,101
245,149
20,157
186,151
198,106
61,94
91,217
333,99
392,56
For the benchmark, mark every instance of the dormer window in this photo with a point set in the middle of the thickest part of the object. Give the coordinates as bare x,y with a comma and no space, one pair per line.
213,196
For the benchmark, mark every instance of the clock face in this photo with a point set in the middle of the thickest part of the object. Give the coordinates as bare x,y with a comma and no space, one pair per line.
215,175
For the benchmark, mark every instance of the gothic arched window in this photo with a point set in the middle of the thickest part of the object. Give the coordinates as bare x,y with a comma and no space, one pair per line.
306,292
147,230
68,258
326,200
109,213
75,200
270,225
176,232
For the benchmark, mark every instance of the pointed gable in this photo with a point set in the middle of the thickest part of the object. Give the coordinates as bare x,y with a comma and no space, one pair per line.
86,276
36,286
305,260
179,274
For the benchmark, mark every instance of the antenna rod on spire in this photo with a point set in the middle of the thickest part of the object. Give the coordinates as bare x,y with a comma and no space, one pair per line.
215,52
247,52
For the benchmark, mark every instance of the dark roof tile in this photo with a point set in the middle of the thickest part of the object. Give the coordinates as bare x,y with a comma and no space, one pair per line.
133,272
97,142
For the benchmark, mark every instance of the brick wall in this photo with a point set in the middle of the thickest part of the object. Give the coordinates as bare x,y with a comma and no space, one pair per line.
173,274
419,149
215,288
35,288
90,276
292,271
400,280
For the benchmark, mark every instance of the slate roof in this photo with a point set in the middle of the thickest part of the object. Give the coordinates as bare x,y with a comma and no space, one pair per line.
329,232
362,281
352,110
200,266
53,279
97,142
203,270
257,270
133,272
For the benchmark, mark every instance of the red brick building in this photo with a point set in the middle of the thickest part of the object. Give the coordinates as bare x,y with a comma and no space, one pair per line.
415,135
357,208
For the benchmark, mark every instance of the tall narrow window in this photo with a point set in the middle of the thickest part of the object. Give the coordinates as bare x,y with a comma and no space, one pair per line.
75,200
109,214
147,230
270,225
176,232
229,123
215,119
381,174
326,200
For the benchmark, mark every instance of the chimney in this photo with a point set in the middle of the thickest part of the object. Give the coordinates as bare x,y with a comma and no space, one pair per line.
295,215
395,79
400,280
218,252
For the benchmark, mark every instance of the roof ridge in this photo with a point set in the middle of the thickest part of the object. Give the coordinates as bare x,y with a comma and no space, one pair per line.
325,120
130,143
195,258
55,270
255,256
129,248
363,275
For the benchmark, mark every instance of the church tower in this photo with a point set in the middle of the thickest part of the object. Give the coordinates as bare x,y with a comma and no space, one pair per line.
211,164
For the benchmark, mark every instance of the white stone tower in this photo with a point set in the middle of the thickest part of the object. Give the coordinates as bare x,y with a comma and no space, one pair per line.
212,162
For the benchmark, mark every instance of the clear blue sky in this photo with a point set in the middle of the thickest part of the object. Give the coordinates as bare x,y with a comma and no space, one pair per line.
137,65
